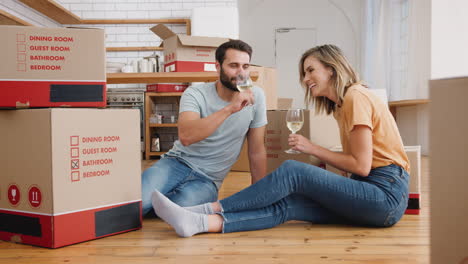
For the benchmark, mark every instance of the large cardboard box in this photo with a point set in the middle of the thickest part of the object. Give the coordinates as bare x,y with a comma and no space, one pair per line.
69,175
187,53
414,156
276,140
52,67
448,170
320,129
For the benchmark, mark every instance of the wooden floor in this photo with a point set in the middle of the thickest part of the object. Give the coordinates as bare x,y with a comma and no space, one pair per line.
293,242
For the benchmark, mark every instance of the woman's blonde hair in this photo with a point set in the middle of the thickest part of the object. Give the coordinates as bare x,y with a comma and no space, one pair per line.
343,76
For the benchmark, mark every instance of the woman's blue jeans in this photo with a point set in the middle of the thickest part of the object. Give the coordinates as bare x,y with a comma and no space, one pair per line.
299,191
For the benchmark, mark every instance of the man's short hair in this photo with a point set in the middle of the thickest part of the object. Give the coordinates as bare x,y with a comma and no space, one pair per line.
232,44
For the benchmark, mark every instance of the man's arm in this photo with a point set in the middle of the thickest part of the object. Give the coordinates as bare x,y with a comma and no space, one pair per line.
257,153
192,128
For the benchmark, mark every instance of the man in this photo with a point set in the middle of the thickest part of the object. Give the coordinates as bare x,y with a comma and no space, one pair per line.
214,120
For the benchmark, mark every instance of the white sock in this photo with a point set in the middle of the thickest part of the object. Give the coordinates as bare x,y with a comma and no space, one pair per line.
185,223
205,208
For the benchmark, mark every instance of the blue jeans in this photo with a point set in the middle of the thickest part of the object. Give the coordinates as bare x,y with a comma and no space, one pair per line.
180,183
299,191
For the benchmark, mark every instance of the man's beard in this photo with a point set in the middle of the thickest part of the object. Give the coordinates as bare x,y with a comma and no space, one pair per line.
226,81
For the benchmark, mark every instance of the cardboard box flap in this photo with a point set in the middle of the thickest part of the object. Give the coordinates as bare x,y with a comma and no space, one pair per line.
284,103
201,41
162,31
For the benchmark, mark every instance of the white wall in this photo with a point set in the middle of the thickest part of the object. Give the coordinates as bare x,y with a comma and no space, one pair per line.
413,121
449,39
336,22
448,58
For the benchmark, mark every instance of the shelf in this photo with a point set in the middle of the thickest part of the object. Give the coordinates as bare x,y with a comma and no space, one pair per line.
114,49
408,102
166,77
53,10
394,104
135,21
9,19
157,153
57,12
165,94
164,125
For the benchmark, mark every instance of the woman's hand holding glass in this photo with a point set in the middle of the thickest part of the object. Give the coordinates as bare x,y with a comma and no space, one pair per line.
301,144
294,122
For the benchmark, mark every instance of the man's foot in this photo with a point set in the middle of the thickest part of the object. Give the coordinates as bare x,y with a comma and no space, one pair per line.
185,223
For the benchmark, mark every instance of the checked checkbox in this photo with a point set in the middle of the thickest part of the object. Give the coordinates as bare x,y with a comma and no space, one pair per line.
75,164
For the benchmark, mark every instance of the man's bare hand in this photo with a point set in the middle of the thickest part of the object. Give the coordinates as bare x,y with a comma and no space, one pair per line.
240,100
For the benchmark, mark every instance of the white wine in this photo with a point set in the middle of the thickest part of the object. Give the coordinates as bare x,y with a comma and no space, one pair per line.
243,87
294,126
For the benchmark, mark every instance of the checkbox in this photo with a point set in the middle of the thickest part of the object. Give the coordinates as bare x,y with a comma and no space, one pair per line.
75,152
75,176
21,57
75,164
20,37
21,67
21,48
74,140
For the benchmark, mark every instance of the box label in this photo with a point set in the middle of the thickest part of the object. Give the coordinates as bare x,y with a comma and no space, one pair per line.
92,156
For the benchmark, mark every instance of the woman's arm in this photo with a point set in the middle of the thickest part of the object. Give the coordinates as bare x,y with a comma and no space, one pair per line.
359,161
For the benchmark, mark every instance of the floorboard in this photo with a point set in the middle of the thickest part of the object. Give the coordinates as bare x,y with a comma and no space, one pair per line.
292,242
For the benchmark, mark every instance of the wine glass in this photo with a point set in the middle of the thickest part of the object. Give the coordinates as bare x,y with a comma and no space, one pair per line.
243,82
13,193
294,122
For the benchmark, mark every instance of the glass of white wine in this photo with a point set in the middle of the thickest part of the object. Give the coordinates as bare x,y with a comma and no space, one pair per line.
243,82
294,122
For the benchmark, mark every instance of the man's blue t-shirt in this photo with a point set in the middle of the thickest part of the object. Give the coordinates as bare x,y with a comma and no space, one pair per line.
214,155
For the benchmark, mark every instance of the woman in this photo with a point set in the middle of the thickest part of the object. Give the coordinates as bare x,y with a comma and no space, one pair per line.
375,195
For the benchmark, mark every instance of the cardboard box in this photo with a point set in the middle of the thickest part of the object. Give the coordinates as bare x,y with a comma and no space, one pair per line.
166,87
414,156
276,139
187,53
285,103
242,163
52,67
320,129
69,175
448,170
267,80
414,202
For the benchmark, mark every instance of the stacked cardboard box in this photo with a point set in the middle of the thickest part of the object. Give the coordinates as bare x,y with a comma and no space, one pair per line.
448,173
49,67
69,175
187,53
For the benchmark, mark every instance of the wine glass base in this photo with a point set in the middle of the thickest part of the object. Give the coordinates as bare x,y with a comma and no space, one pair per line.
292,151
